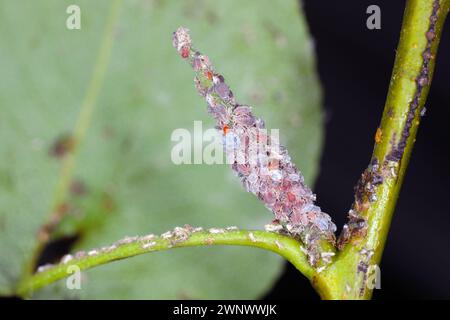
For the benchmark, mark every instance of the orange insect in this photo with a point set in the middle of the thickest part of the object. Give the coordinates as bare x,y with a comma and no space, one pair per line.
274,164
209,75
378,135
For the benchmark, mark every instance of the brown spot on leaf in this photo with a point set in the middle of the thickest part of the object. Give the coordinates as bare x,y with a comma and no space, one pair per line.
62,145
78,188
211,17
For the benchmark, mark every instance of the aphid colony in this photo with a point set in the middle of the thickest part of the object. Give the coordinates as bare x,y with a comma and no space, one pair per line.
270,174
146,242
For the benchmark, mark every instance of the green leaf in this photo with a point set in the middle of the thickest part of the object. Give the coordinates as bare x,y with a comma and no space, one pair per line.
131,185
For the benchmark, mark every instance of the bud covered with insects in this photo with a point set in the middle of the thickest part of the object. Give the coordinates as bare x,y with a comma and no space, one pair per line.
263,165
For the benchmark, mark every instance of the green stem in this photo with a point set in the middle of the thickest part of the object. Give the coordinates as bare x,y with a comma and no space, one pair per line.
285,246
410,82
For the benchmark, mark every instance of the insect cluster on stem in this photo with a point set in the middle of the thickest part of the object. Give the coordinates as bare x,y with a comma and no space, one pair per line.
263,165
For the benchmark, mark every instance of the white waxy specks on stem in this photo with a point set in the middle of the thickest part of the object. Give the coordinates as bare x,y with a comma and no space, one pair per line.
148,237
216,230
302,249
368,253
279,245
348,288
126,240
108,249
320,269
167,235
92,253
197,229
273,227
188,228
307,237
148,245
66,258
181,234
311,259
273,178
393,173
180,230
326,256
423,112
44,267
80,254
252,237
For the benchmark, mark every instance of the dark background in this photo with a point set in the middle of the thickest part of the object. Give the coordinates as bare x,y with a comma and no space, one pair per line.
355,66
